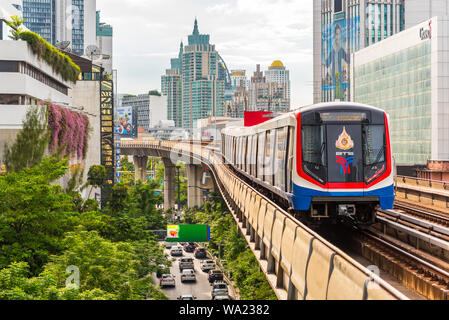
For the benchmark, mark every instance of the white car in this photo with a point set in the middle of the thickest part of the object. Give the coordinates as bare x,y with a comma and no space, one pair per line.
169,245
207,265
187,297
167,280
188,275
176,251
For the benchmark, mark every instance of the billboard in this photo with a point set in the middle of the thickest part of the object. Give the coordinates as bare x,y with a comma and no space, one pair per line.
337,38
188,233
125,122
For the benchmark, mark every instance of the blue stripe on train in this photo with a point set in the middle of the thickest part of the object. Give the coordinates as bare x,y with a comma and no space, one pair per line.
302,197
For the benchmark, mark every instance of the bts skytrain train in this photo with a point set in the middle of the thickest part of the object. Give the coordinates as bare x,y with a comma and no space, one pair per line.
326,161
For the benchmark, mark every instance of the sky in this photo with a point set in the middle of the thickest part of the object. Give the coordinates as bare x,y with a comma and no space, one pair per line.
147,34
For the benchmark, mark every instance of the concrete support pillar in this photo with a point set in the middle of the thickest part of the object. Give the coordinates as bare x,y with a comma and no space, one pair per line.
169,183
140,164
194,192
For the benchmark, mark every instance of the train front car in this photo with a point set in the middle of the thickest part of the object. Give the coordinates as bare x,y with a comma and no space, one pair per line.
344,162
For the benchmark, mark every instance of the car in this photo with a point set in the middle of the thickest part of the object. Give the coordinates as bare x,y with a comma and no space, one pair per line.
190,247
219,288
215,275
222,297
186,263
188,275
162,269
169,245
186,297
167,280
207,265
176,251
200,253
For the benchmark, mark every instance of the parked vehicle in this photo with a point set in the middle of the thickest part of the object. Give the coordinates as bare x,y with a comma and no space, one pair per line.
188,275
162,269
186,263
207,265
176,251
169,245
219,288
167,280
215,275
200,253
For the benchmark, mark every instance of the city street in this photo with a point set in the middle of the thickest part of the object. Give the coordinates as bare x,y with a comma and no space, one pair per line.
200,289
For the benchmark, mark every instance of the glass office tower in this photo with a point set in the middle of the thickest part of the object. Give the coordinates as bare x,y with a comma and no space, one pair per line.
39,17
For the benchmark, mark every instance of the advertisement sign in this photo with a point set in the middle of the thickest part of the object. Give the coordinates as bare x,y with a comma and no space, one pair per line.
188,233
335,42
125,122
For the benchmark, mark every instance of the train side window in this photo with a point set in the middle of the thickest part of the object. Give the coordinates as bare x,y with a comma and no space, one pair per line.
248,154
260,155
281,158
254,156
374,150
269,156
291,156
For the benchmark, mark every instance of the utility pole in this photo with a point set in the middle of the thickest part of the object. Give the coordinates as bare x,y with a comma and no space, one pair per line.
179,189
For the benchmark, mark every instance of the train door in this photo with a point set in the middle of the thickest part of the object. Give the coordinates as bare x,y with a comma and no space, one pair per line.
344,153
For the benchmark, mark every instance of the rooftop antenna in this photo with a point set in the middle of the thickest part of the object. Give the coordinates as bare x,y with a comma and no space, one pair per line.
93,52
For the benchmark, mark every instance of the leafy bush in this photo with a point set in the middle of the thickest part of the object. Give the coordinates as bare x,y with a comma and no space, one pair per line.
61,63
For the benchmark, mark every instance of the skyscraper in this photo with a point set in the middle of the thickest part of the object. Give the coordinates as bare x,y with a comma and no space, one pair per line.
104,42
171,84
278,73
341,28
63,20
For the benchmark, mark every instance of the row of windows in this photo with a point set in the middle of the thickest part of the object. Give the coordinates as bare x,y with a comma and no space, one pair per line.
264,156
16,99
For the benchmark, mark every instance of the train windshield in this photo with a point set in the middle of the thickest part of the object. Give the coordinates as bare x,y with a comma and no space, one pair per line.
344,151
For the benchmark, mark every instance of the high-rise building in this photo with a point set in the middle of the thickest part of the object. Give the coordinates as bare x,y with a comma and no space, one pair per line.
267,96
104,42
237,76
198,83
342,27
278,73
63,20
202,88
150,109
240,102
171,84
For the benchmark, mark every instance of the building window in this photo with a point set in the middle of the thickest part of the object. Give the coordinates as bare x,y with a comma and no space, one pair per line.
338,6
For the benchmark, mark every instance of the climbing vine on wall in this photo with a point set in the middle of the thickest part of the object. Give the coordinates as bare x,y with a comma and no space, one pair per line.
69,132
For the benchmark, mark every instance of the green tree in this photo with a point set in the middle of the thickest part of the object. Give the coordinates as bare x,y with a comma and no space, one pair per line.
96,177
34,213
31,143
15,24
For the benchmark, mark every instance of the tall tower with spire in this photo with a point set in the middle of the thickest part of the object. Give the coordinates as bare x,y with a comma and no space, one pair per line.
197,72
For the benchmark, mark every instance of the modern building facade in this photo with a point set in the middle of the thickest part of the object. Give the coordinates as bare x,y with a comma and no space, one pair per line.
341,27
63,20
240,102
278,73
198,82
104,33
202,90
267,96
407,75
171,87
237,76
150,109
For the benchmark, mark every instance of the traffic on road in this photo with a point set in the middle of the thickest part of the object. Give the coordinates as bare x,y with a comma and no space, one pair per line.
192,276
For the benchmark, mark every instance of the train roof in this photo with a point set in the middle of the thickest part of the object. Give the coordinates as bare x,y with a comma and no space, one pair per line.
289,118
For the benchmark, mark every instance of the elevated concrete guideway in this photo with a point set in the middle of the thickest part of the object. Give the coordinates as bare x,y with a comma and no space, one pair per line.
198,181
298,263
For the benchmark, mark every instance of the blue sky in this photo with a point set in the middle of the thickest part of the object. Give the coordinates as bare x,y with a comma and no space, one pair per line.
245,32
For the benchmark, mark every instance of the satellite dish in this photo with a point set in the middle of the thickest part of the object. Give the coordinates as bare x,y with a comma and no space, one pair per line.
62,45
93,52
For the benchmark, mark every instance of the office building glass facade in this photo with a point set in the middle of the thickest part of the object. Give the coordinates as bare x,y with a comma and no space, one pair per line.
39,17
400,84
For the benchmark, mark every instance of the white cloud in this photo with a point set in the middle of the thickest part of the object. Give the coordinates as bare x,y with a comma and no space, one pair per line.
246,32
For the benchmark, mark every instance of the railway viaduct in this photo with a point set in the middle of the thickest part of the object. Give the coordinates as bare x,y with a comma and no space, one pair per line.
298,263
